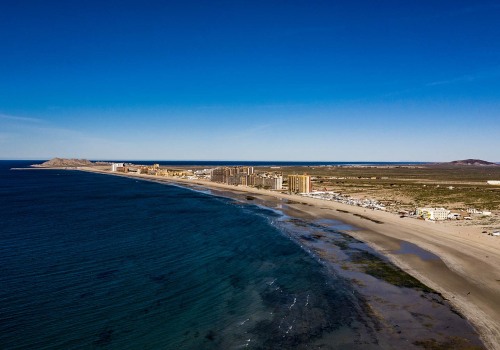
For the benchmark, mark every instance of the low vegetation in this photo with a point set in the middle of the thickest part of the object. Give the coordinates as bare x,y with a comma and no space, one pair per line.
455,187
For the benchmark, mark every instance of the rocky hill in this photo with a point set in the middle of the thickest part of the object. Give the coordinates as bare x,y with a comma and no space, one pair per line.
472,162
63,163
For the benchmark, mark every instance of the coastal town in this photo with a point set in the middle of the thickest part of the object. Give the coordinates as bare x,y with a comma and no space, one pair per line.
302,185
250,175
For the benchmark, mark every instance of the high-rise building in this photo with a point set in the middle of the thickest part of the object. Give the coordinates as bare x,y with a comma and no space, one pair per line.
231,175
299,183
268,182
245,176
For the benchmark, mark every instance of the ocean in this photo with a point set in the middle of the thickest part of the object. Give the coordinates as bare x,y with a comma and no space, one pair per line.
90,261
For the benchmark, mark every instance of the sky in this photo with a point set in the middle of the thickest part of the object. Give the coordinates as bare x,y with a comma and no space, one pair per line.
250,80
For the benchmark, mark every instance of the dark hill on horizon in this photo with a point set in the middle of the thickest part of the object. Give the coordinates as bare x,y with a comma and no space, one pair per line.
472,162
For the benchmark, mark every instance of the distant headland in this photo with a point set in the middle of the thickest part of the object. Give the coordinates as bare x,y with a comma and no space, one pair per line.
67,163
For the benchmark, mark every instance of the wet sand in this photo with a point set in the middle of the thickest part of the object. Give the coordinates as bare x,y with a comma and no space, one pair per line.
464,268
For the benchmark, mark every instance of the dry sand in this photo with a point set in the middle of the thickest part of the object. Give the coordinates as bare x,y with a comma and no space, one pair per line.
468,274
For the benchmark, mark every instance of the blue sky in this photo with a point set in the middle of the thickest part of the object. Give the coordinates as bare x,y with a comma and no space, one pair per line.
250,80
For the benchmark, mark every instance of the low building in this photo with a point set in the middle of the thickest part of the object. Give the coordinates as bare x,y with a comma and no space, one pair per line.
115,166
434,214
478,212
493,182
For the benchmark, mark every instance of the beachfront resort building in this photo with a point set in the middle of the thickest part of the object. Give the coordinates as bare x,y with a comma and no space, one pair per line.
231,175
266,181
434,214
299,183
245,176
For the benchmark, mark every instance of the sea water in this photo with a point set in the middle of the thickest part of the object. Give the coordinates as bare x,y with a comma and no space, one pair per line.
91,261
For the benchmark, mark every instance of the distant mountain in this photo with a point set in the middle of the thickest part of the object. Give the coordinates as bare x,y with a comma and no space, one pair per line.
62,162
472,162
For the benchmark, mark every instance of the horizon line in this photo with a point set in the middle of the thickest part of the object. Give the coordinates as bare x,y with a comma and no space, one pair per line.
241,160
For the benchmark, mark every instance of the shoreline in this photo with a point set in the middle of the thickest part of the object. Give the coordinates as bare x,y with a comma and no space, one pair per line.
467,273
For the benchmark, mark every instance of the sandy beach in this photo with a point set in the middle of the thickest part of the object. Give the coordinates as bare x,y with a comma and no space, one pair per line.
467,272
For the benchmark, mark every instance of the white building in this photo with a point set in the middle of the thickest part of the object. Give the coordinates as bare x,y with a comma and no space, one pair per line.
493,182
115,166
434,214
